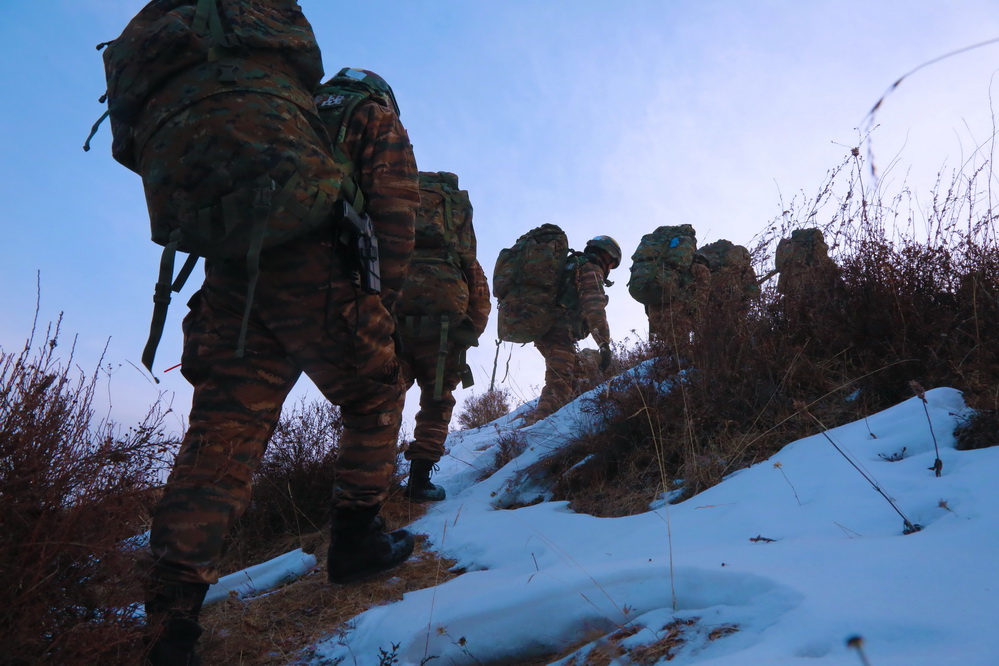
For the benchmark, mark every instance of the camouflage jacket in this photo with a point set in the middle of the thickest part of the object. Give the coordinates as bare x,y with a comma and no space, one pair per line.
592,302
387,176
479,305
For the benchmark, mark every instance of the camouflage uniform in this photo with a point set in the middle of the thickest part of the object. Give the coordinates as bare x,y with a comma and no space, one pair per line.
811,289
558,345
307,315
732,290
420,355
673,320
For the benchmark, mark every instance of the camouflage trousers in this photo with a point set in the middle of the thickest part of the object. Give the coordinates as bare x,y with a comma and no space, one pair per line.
420,359
558,346
306,317
671,325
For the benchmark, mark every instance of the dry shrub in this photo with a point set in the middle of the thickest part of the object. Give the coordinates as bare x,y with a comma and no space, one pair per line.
72,492
292,487
277,627
979,431
478,410
509,445
913,304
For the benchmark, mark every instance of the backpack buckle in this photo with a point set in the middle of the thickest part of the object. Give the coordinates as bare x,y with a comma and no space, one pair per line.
227,73
263,195
161,293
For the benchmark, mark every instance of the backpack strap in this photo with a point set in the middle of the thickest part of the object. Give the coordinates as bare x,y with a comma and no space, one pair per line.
441,357
264,201
165,285
350,192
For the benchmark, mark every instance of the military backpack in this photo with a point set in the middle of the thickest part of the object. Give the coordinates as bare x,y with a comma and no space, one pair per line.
661,263
805,247
435,292
335,102
526,283
211,104
723,257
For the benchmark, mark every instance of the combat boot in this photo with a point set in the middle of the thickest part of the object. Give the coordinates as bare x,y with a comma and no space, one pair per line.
172,611
420,489
360,547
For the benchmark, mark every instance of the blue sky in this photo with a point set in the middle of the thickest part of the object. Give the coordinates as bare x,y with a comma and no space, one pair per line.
601,117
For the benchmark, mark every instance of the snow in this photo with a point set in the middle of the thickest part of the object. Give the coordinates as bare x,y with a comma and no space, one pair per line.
784,561
262,577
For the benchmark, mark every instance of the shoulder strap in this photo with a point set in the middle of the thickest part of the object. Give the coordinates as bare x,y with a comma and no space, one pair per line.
338,136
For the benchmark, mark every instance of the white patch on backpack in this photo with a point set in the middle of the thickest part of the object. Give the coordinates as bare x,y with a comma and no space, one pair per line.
323,101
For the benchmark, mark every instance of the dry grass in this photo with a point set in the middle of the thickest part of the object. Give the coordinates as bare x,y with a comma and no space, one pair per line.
915,304
277,627
919,303
608,648
478,410
72,491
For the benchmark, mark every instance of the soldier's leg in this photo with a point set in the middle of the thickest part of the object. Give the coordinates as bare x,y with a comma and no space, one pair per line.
342,339
434,417
236,404
559,350
669,329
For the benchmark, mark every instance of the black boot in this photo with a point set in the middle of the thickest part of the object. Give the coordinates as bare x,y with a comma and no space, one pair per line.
172,611
420,489
360,547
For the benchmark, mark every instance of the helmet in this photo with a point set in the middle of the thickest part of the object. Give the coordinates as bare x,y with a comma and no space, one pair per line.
608,245
371,81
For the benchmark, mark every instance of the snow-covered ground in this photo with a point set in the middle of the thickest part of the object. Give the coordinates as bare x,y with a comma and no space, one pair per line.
782,563
797,554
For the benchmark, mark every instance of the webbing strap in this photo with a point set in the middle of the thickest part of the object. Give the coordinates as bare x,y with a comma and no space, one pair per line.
441,358
185,272
261,211
200,24
208,21
93,130
448,220
161,301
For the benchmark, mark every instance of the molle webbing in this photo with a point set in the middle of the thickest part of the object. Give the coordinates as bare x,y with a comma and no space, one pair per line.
263,201
419,326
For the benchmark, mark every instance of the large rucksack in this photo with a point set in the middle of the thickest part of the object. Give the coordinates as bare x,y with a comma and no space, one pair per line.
805,247
434,297
526,283
211,103
661,263
725,257
435,292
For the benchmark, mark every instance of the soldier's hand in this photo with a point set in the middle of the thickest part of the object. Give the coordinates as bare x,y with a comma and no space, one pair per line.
605,357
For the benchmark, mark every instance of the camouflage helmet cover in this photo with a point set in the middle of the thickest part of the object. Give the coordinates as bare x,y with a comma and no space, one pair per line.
608,245
373,82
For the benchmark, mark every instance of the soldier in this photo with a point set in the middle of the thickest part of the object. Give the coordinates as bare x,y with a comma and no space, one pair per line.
732,288
673,319
442,312
583,313
810,286
671,281
309,314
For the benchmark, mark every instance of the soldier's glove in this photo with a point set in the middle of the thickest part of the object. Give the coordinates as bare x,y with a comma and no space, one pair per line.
605,357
